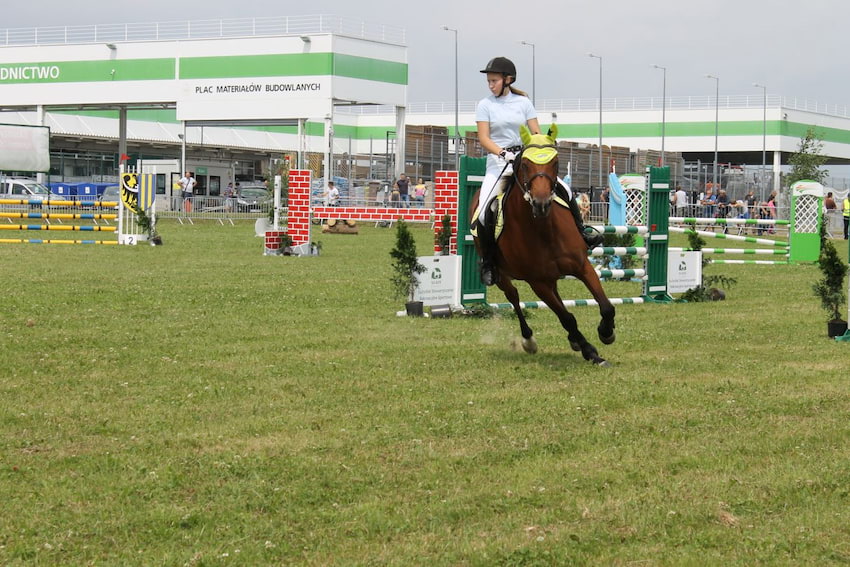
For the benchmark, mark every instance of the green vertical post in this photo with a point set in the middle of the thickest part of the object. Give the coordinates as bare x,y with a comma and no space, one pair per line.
806,218
658,218
470,176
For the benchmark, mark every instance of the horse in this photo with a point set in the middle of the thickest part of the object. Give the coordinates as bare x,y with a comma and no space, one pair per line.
539,243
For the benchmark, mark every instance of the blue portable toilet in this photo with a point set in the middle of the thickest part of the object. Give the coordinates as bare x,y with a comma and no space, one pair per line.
63,189
87,190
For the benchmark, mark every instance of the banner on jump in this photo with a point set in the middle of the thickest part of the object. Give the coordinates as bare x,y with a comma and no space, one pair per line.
684,271
439,284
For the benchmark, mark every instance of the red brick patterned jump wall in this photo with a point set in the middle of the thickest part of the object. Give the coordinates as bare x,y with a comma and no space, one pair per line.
298,220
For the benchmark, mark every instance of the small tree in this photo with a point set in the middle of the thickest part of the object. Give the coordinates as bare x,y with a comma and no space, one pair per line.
444,236
807,161
830,289
406,264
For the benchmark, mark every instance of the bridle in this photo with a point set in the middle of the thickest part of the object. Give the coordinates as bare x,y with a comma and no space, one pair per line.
525,185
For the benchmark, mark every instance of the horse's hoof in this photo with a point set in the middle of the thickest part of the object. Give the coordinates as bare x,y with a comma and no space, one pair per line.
608,340
603,363
575,346
529,345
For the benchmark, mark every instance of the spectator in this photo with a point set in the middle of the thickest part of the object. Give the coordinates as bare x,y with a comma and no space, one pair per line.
680,200
333,195
750,200
187,184
403,186
846,210
419,192
709,203
829,202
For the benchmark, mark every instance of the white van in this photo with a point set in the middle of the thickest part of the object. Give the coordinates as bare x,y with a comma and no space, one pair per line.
23,188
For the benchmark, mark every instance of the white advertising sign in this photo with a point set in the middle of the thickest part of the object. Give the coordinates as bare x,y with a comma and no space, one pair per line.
439,284
24,148
684,271
254,98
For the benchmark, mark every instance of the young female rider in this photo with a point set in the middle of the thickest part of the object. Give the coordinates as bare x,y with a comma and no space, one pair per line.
499,117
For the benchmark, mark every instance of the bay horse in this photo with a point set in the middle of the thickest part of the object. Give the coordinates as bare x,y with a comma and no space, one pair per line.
539,243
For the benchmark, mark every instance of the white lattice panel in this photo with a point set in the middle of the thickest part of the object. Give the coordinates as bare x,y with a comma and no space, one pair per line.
807,214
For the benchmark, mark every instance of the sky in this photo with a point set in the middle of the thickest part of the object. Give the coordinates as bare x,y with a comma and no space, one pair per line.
796,49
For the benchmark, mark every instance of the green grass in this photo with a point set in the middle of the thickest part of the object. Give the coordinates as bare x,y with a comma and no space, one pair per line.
202,404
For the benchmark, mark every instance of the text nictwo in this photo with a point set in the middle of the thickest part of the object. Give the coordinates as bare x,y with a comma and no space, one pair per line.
255,88
29,73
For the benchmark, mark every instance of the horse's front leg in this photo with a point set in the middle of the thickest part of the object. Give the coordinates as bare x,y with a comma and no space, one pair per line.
529,343
606,310
548,292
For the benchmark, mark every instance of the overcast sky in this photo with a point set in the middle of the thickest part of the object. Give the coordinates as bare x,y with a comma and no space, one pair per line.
798,49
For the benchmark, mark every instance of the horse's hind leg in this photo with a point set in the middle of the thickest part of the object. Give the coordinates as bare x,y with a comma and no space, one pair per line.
529,343
548,292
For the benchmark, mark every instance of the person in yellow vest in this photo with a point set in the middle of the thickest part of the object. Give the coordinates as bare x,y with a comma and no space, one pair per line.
846,214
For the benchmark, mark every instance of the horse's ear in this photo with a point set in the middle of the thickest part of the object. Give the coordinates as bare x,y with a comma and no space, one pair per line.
524,134
553,131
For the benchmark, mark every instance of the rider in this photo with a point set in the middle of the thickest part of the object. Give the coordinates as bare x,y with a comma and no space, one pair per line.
499,117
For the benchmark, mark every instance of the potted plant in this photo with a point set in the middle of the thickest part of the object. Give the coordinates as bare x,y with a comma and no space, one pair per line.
406,268
148,227
444,236
830,289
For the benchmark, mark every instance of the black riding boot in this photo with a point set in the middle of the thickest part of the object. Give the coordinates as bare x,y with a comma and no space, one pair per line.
487,245
592,239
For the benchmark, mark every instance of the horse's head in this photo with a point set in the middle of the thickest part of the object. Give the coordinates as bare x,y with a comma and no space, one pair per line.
537,171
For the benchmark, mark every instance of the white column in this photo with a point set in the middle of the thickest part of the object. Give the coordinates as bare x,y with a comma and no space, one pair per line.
399,139
777,169
40,118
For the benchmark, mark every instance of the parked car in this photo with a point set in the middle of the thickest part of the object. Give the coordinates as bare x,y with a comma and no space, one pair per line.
111,193
253,198
24,188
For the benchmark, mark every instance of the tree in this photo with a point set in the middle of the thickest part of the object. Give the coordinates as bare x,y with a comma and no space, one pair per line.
807,161
406,264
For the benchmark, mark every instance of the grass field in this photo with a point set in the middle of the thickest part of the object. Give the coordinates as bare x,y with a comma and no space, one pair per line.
202,404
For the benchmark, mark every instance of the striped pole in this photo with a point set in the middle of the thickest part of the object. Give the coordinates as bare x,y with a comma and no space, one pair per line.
610,229
734,237
40,241
711,220
569,303
764,251
759,262
618,251
67,227
58,203
60,216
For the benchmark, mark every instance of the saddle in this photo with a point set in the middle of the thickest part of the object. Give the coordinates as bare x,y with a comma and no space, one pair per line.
496,215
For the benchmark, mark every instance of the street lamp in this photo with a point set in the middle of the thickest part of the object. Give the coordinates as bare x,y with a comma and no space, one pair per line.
763,139
663,110
457,129
533,72
716,125
600,115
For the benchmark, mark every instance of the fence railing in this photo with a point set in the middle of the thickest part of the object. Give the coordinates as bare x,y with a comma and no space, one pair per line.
201,29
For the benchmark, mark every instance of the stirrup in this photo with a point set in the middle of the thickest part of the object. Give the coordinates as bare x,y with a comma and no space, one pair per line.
489,273
592,239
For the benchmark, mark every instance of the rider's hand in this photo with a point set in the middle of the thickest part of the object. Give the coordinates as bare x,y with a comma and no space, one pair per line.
507,156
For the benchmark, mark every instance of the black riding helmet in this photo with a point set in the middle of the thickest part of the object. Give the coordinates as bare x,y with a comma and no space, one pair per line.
501,65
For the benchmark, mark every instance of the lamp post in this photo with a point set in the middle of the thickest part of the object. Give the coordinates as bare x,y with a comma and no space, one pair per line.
600,115
763,139
663,110
716,125
533,72
457,129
